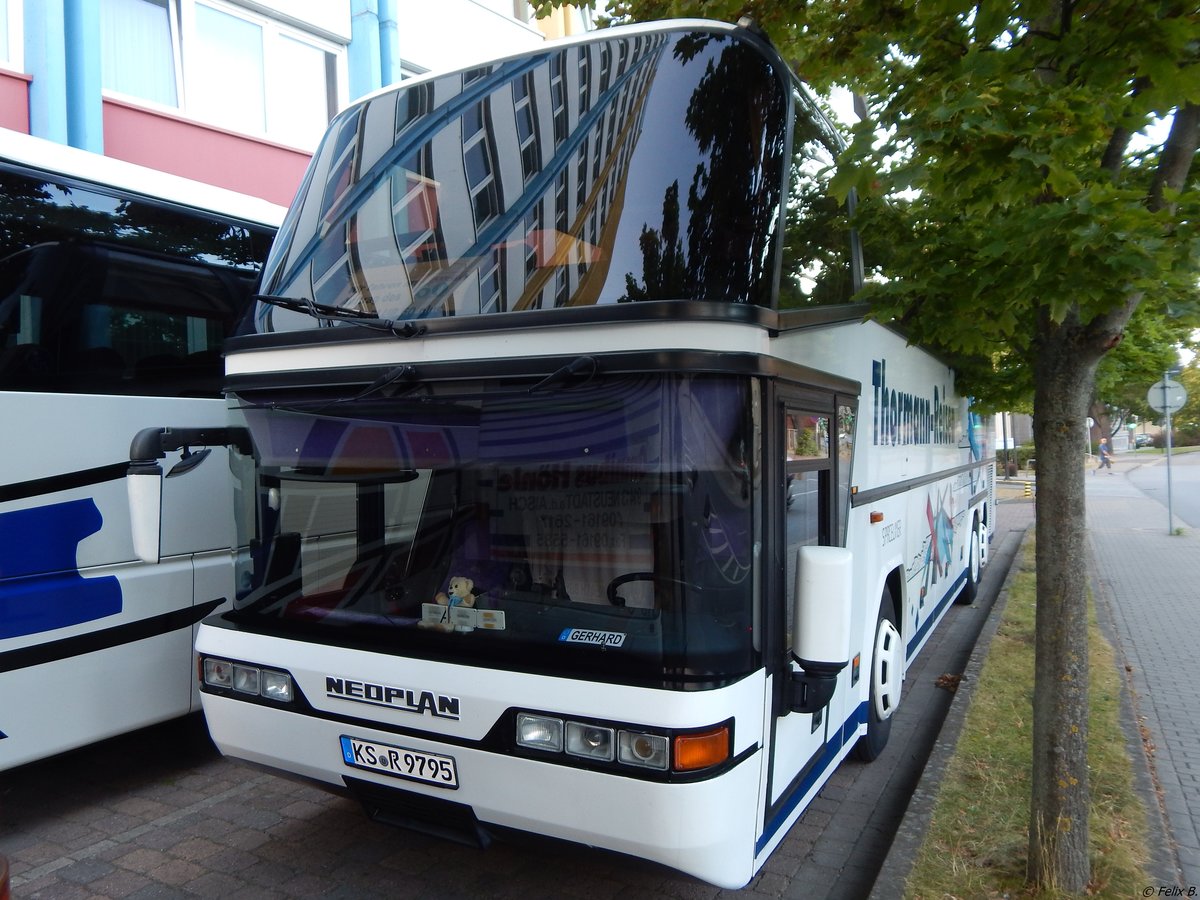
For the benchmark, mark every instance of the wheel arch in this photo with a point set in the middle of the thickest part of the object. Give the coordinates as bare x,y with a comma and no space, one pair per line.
894,582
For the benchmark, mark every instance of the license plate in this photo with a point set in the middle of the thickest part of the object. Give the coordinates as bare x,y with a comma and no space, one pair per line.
400,762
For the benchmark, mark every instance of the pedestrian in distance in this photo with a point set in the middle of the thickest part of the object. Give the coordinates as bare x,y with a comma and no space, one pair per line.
1105,455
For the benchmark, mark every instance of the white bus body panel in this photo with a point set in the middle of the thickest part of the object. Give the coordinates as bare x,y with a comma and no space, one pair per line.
923,530
60,705
706,828
513,343
101,586
94,586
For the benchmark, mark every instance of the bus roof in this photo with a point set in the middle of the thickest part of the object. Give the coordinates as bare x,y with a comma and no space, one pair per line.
54,158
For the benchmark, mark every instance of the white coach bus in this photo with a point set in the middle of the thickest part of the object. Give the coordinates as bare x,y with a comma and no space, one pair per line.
118,285
581,502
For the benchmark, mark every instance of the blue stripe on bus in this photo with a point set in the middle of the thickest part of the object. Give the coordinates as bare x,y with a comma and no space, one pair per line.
936,615
41,588
825,762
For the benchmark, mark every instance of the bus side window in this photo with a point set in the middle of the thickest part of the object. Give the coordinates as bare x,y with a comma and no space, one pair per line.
24,367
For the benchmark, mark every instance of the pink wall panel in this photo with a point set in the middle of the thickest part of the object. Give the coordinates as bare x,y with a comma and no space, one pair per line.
14,101
173,144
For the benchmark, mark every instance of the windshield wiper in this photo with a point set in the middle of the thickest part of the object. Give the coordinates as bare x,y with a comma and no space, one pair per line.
561,377
323,312
404,378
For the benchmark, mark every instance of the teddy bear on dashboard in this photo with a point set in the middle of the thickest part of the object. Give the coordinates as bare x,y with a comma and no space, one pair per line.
461,593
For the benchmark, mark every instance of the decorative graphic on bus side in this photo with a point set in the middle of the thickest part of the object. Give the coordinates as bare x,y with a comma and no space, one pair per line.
940,548
42,588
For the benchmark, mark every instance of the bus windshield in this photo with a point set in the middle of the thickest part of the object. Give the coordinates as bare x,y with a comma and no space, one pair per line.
642,167
603,528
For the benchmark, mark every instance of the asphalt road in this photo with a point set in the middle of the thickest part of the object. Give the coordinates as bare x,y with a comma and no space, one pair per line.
1185,483
161,814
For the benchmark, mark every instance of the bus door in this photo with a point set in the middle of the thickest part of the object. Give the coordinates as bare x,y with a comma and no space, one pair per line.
804,444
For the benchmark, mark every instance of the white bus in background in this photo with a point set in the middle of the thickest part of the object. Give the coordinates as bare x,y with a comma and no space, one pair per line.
582,502
118,287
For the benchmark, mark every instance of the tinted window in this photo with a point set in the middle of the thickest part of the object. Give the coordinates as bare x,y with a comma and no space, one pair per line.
611,171
817,254
108,294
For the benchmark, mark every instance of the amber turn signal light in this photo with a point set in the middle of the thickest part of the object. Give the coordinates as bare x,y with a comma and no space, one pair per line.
701,750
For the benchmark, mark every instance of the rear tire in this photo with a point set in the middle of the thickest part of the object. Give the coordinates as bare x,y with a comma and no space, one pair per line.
970,588
887,676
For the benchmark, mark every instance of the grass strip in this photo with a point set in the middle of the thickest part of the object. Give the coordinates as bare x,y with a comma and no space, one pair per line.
976,846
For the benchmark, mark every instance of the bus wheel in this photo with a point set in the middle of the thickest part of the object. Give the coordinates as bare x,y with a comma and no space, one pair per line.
887,675
970,588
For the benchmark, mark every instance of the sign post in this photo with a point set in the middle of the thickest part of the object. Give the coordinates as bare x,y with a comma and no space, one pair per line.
1167,396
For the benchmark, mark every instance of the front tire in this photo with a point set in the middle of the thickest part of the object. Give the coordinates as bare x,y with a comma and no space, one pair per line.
887,677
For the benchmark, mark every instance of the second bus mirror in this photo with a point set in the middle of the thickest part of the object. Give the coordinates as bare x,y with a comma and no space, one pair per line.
144,484
821,632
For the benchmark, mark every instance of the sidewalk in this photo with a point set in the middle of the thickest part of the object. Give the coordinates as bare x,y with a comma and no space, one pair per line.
1147,584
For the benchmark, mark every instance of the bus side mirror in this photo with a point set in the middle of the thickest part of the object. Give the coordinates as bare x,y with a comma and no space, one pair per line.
821,632
144,484
144,478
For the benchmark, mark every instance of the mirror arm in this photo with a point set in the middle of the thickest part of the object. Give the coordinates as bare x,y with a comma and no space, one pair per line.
154,443
813,688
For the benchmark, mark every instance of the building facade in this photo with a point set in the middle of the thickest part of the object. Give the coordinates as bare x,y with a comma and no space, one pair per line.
234,93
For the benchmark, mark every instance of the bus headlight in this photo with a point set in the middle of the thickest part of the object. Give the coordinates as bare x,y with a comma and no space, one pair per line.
277,686
591,741
539,732
222,675
245,679
218,673
636,748
615,746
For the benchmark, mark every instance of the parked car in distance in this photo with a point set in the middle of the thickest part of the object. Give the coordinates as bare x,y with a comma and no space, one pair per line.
1143,440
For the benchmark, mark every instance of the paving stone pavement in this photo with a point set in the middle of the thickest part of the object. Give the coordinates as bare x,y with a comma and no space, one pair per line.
1149,580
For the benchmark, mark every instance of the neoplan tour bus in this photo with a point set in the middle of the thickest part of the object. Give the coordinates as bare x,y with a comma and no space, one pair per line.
118,285
580,501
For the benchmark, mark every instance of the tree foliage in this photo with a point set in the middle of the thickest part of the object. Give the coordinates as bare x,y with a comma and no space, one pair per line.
1029,166
1189,416
1150,347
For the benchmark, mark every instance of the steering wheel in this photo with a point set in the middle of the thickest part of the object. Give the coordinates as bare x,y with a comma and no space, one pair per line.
614,598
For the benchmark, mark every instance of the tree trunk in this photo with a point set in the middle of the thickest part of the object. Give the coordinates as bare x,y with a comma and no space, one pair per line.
1061,797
